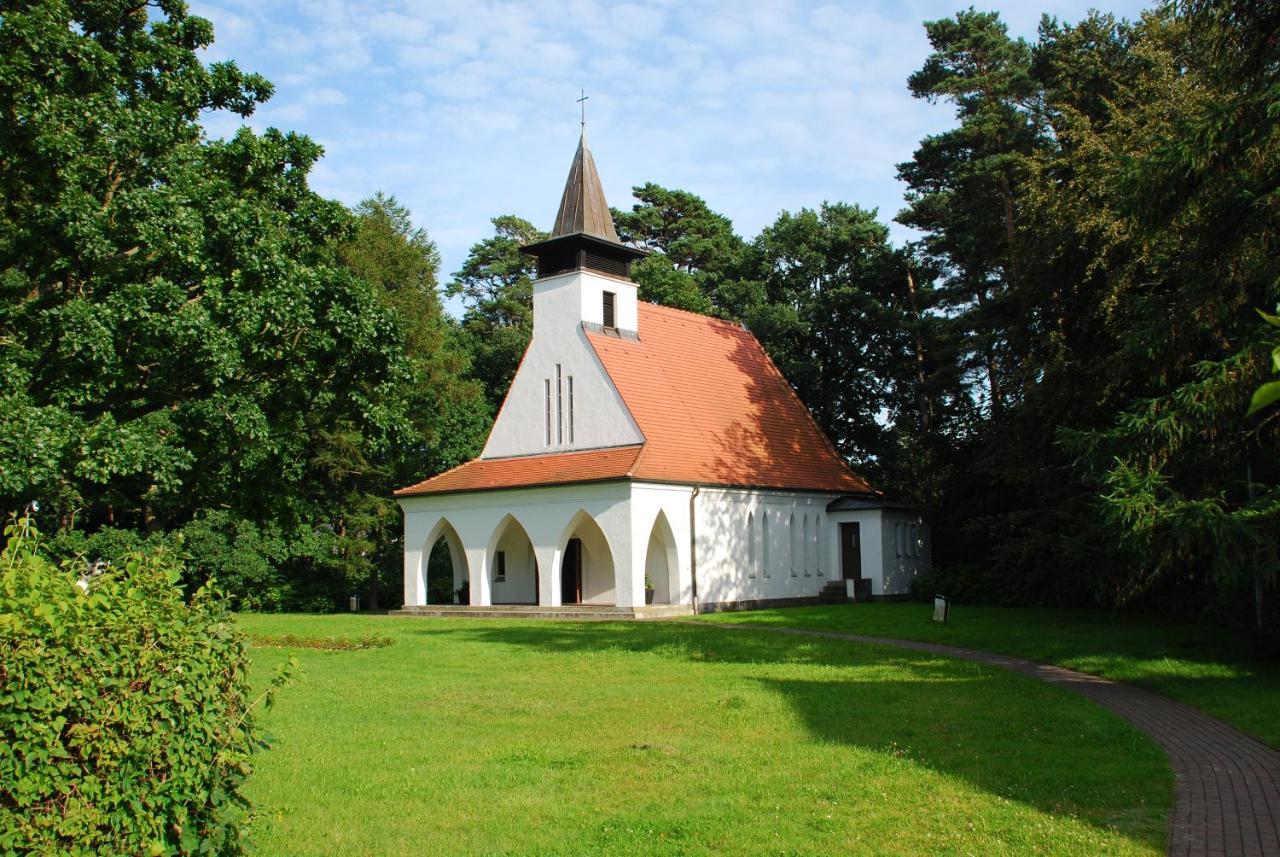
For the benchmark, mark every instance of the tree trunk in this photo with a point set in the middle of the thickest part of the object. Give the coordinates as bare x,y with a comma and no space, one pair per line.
924,402
1010,230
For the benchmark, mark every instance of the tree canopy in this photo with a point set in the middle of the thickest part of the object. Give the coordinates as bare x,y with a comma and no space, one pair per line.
183,345
1059,368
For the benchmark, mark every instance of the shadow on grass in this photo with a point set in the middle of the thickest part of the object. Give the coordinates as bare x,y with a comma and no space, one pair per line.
1005,734
1212,668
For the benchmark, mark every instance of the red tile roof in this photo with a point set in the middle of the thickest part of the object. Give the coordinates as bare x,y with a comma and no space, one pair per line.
523,471
713,410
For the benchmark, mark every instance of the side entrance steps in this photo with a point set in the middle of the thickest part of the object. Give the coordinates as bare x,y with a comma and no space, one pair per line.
836,591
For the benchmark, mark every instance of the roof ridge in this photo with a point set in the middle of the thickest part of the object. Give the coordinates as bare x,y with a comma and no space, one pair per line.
698,315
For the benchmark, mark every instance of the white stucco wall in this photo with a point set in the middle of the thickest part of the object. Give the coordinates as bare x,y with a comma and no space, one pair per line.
649,500
520,586
600,419
549,517
737,563
906,550
630,530
870,532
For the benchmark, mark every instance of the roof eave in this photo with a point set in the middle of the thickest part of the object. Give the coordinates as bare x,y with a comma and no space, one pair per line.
588,238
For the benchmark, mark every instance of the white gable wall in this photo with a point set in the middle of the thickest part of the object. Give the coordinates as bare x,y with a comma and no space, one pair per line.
600,419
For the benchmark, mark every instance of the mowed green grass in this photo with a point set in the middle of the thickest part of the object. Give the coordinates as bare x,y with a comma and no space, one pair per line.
507,737
1208,667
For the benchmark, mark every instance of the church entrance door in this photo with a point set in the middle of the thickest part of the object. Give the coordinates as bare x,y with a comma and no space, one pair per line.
850,551
571,573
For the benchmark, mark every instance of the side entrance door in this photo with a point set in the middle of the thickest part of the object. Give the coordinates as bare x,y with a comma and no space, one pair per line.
851,551
571,573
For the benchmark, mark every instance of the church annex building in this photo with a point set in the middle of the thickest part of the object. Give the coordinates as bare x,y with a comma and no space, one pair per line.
647,448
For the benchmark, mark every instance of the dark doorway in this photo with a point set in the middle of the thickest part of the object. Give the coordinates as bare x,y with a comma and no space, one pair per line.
571,573
851,551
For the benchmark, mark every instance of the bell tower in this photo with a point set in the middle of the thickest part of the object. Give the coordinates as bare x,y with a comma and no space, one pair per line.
561,399
584,256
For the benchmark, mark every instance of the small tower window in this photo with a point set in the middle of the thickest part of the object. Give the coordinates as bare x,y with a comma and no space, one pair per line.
570,409
609,316
500,567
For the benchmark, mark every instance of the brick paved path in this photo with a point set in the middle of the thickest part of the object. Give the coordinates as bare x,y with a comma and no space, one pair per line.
1227,784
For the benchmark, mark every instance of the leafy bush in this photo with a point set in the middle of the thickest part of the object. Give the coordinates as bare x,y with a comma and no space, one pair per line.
241,556
125,722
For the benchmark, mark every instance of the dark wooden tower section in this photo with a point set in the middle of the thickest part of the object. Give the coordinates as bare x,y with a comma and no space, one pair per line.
583,236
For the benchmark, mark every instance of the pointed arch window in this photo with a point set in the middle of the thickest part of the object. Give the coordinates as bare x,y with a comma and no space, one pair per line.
817,544
807,548
751,544
791,544
764,542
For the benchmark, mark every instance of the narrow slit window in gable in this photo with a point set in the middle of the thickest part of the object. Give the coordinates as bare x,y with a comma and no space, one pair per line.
559,409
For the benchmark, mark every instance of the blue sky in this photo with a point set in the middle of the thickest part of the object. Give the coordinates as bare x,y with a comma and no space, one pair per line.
466,110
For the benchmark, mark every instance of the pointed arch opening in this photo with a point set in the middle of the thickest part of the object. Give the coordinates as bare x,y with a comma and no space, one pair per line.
511,564
586,563
661,562
444,570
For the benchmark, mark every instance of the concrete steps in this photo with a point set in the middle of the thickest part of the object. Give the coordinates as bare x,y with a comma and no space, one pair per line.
833,593
571,612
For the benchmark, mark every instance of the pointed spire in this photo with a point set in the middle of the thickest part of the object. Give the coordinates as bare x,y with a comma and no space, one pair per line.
583,207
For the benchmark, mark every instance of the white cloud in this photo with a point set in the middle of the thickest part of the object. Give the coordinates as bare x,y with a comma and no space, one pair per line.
465,109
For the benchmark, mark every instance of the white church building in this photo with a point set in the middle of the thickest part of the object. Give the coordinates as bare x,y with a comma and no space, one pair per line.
647,461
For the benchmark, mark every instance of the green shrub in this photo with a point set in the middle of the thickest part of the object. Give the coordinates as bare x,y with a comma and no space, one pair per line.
125,721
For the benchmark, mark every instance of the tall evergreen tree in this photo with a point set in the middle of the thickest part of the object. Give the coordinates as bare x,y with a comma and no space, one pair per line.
496,285
963,186
827,314
693,248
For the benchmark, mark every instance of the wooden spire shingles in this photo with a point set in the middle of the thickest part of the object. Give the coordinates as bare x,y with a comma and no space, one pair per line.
583,208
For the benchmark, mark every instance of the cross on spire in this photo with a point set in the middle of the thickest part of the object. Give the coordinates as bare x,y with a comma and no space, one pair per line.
583,102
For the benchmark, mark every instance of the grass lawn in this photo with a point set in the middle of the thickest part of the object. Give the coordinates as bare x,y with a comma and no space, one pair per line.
1207,667
508,737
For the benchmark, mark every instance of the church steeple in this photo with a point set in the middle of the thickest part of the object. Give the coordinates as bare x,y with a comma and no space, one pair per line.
583,236
582,206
